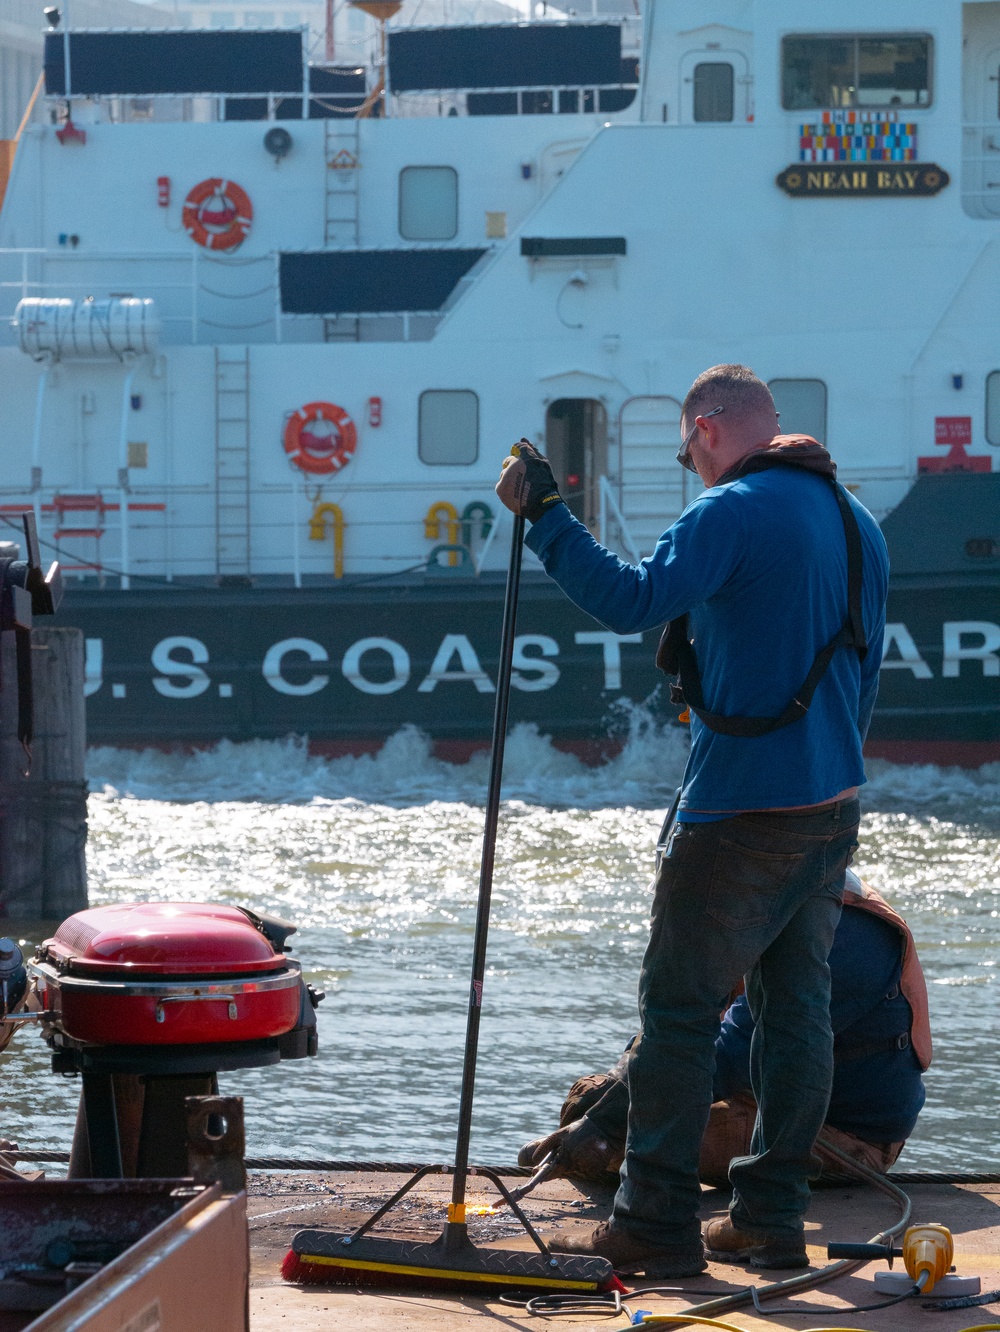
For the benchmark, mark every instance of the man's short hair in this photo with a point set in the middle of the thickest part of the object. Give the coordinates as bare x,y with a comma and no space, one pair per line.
734,387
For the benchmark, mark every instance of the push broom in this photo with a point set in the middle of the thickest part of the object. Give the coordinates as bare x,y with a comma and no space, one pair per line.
452,1261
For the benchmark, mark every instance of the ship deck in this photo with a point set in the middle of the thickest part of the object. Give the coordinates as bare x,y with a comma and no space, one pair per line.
280,1204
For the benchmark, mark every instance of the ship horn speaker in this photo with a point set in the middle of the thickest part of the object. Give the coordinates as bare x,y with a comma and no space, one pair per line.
278,143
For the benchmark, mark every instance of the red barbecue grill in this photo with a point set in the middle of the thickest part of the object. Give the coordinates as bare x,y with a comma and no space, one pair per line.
149,1001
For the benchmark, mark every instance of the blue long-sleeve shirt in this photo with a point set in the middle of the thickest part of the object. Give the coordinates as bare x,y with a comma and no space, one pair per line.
877,1090
760,565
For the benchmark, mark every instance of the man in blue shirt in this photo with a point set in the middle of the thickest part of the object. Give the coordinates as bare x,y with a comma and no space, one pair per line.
782,579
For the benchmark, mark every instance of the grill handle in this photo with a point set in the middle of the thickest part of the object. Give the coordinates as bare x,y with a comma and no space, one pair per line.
193,999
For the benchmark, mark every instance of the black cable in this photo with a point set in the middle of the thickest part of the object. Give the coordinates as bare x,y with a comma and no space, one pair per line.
841,1308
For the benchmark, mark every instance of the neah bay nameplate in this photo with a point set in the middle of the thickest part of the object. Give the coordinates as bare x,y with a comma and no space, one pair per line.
862,180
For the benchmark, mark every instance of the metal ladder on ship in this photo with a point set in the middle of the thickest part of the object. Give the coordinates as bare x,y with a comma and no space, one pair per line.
232,463
341,229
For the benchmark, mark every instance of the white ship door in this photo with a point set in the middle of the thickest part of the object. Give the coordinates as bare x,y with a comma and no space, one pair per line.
576,444
984,139
655,488
715,87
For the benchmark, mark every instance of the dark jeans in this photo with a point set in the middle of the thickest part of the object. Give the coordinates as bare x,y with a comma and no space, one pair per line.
755,896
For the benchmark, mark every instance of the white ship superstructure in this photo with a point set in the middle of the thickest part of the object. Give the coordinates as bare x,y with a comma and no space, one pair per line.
326,301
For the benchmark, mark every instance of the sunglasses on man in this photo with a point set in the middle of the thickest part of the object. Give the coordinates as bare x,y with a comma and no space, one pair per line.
684,452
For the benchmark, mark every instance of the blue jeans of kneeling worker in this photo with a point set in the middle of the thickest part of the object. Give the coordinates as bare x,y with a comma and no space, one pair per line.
755,896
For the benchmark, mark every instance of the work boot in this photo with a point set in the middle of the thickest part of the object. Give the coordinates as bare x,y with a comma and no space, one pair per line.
628,1253
582,1150
727,1244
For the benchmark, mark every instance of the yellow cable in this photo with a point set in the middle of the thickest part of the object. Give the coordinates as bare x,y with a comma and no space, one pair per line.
690,1318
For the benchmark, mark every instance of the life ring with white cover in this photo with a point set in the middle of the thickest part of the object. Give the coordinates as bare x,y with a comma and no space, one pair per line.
217,214
320,438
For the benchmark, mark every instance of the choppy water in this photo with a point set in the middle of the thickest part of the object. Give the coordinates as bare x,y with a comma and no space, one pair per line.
377,859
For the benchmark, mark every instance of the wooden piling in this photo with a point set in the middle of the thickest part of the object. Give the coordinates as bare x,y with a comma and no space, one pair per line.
43,815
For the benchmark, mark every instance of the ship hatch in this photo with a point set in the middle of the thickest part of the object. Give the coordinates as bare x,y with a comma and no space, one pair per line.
576,441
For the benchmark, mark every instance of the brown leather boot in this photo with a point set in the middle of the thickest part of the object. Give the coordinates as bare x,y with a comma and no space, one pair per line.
629,1253
727,1244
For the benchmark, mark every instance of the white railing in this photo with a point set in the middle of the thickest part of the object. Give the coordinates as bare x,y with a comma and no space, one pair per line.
608,508
193,310
169,532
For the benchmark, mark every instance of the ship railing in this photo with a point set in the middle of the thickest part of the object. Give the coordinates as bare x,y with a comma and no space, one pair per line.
212,107
194,308
612,528
981,168
187,302
150,534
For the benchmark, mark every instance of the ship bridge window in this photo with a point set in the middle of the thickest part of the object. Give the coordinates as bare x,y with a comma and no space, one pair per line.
428,203
850,71
801,404
449,427
713,91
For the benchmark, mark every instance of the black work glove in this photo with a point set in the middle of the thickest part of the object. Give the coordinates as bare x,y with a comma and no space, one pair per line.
526,484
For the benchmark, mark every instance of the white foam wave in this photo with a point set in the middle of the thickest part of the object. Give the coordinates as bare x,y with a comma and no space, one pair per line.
950,792
405,771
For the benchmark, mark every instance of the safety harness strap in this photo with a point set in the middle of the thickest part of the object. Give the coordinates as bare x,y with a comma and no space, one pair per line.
675,654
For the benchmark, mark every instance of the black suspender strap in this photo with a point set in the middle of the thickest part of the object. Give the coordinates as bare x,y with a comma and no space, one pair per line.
676,655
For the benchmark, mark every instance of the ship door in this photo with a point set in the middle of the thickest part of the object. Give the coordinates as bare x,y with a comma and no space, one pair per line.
715,87
983,138
576,442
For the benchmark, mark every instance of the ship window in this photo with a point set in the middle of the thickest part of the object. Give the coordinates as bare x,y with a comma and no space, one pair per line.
890,71
449,427
428,203
993,408
713,91
801,404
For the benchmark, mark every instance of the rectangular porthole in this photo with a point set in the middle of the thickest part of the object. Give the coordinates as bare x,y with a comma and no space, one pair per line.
834,71
801,405
428,203
449,427
993,408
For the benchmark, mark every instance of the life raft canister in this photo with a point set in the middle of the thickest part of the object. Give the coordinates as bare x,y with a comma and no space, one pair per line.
320,437
217,214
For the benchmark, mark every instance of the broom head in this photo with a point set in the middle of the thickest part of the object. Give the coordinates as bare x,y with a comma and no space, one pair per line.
451,1262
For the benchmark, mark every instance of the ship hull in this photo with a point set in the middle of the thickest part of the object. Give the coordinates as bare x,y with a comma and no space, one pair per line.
348,665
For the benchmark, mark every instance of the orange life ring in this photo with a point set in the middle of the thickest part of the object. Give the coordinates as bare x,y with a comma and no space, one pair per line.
217,214
320,437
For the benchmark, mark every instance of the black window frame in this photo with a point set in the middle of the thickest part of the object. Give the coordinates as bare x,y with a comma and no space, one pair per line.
857,38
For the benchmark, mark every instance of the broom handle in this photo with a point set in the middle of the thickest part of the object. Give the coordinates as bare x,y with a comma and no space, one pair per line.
486,867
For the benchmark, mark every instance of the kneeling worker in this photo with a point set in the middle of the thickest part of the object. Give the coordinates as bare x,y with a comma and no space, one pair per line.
882,1044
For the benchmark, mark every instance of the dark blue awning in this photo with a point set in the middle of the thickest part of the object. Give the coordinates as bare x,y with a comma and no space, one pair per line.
329,282
525,55
139,64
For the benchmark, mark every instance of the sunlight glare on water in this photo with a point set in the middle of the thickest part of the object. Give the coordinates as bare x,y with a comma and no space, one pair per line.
377,860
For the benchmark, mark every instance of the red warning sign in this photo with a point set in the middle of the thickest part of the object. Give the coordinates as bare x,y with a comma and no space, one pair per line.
953,430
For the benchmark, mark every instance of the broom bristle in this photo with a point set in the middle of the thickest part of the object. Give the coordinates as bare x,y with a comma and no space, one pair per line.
298,1268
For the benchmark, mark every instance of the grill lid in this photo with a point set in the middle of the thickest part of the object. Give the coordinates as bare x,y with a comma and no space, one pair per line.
162,939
